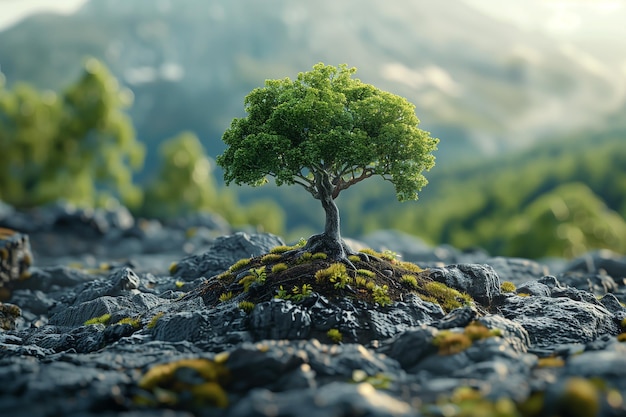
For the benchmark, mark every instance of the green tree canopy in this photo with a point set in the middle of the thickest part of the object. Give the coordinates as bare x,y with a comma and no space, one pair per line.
184,183
79,146
327,131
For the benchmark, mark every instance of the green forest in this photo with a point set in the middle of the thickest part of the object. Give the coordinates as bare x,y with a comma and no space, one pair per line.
561,198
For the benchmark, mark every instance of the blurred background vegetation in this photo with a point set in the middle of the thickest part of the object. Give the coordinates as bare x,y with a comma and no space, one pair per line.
124,101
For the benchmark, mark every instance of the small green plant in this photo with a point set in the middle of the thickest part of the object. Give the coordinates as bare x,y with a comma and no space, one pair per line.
279,267
280,249
103,319
239,265
255,276
155,319
381,295
305,257
246,306
300,293
173,267
507,286
360,281
335,274
390,256
334,335
270,257
410,281
297,293
319,256
354,258
282,293
227,296
409,266
179,284
365,273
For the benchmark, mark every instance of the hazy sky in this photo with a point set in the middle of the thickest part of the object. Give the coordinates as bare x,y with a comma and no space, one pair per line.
595,18
12,11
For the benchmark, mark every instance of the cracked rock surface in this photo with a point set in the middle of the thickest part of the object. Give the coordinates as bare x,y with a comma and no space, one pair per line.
99,334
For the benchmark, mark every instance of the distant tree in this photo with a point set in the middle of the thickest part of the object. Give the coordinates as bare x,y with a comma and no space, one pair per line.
327,131
79,146
184,183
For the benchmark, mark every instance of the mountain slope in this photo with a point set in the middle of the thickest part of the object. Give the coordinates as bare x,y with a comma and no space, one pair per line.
479,84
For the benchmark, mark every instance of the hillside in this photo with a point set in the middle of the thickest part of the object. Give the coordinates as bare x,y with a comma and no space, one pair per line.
481,85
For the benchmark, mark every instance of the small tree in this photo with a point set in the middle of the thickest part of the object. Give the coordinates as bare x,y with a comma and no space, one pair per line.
327,131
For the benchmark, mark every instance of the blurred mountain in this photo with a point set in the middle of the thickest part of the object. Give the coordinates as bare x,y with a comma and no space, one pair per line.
480,84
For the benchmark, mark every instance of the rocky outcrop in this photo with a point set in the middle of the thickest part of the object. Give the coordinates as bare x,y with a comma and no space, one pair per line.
128,340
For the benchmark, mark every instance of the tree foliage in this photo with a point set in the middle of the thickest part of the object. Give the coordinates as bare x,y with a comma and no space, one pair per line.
327,123
184,183
79,146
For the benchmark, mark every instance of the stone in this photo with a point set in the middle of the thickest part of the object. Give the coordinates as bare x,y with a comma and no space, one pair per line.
15,257
481,282
224,252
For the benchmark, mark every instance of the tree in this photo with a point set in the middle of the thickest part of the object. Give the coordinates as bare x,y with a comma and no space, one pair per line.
79,146
327,131
184,183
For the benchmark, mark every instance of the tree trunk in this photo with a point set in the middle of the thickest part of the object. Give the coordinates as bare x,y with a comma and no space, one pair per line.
325,189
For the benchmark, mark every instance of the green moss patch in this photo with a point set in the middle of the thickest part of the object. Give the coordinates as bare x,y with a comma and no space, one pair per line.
294,275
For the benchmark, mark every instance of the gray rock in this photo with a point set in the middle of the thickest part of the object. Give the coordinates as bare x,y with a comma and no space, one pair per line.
534,288
517,270
551,322
479,281
224,252
280,319
333,400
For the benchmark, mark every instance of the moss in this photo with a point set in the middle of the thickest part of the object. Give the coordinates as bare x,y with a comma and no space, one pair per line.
580,398
225,275
300,293
448,298
507,286
103,319
334,335
319,256
360,282
365,273
305,257
134,322
246,306
280,249
371,252
207,387
523,294
336,274
255,276
179,284
450,343
227,296
354,258
409,266
381,295
240,264
280,267
410,281
173,267
551,362
154,320
477,331
621,337
389,256
270,257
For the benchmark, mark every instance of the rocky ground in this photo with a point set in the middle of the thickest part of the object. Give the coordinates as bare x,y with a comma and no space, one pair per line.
111,316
